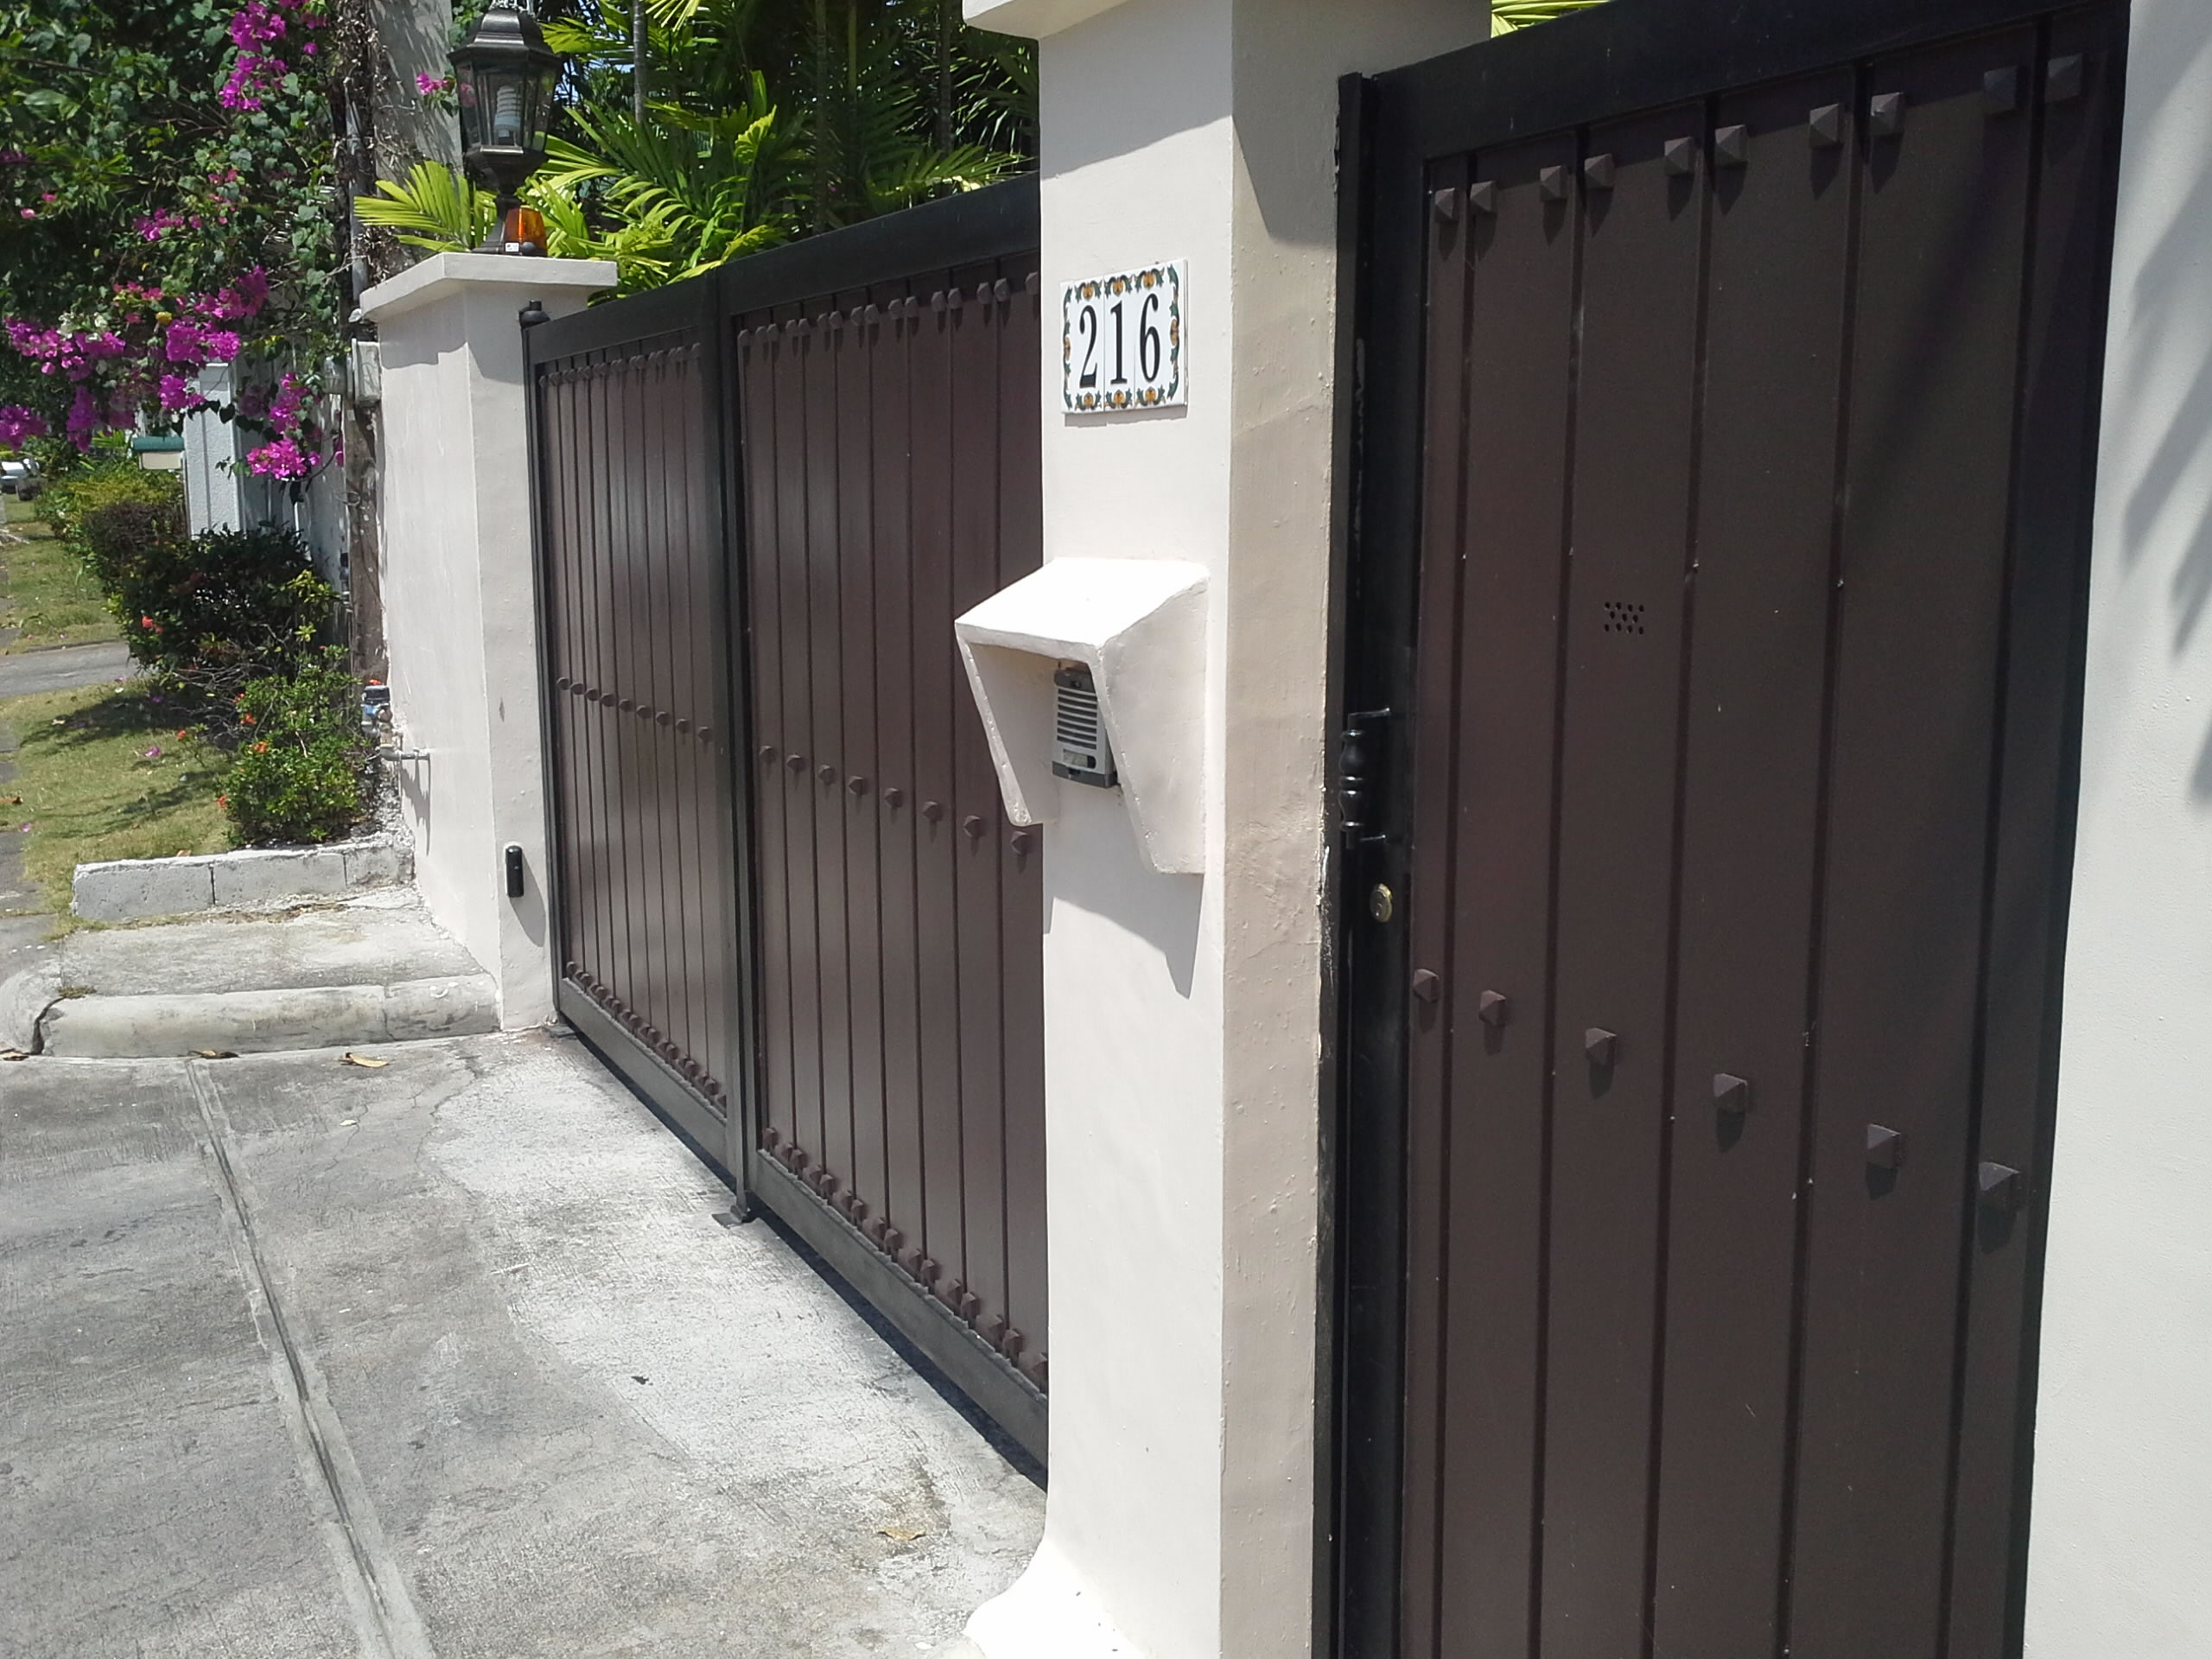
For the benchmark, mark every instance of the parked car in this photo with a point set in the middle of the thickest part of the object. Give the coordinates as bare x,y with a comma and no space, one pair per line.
20,478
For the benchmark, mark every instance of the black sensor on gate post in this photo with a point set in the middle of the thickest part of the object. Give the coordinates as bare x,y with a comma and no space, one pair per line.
514,872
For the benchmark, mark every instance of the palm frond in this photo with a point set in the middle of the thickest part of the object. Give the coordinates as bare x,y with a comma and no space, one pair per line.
1509,15
435,207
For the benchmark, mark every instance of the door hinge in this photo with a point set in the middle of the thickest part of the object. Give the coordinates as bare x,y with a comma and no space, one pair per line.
1363,761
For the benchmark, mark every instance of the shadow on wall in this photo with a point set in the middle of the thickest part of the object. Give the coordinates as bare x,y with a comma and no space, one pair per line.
2171,325
530,908
415,791
1093,864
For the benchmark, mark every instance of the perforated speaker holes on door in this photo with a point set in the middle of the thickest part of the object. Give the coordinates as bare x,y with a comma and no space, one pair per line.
1623,616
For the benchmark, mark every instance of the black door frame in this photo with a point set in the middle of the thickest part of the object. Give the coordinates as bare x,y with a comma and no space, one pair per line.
1619,58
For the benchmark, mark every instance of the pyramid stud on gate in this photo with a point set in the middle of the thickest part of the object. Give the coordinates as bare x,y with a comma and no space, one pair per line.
1825,126
1681,156
1731,147
1885,1148
2001,1187
2062,78
1426,986
1597,172
2000,92
796,762
1494,1009
1732,1093
1444,204
1551,182
1885,115
1482,197
1602,1046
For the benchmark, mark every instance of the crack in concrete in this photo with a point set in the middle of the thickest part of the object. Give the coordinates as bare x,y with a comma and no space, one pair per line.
384,1616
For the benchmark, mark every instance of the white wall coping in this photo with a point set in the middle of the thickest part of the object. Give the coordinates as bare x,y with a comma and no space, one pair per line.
442,275
1032,18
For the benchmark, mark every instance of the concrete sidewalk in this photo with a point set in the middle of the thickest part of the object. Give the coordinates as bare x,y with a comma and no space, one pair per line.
448,1357
63,668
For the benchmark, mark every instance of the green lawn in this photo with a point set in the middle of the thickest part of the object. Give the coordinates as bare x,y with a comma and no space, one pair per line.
88,786
45,595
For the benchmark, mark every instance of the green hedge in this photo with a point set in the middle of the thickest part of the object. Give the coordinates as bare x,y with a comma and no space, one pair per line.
94,485
212,610
233,622
297,774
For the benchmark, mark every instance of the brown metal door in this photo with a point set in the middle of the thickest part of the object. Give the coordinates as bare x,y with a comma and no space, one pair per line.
1753,432
889,443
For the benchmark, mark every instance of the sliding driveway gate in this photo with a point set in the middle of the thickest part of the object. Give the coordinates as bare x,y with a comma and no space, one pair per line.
789,906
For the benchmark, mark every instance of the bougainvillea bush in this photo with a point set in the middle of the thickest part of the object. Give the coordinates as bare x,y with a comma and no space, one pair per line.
166,202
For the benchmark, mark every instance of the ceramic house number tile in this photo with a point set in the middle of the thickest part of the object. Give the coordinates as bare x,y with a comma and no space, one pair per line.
1121,340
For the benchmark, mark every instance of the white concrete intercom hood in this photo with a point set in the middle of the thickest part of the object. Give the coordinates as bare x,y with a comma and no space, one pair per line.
1139,627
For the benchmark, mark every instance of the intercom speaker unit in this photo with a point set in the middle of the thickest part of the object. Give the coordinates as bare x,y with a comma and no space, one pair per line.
1081,752
1092,671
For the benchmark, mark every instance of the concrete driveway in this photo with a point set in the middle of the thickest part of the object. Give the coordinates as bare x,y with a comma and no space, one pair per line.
451,1357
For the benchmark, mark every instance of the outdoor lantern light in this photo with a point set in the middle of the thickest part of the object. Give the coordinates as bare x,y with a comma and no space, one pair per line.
504,73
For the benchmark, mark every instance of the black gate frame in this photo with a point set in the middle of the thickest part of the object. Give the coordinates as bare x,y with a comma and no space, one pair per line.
1000,221
1616,59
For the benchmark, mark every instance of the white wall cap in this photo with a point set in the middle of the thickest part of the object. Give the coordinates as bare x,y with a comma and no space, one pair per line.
1138,625
1034,18
445,274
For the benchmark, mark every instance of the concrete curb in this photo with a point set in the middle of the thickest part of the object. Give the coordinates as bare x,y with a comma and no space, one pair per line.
24,999
137,889
257,1022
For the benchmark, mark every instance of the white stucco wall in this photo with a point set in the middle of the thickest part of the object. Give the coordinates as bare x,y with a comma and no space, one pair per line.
1183,1014
460,611
2121,1547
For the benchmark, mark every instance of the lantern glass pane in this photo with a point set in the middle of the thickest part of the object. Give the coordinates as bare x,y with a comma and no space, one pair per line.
464,89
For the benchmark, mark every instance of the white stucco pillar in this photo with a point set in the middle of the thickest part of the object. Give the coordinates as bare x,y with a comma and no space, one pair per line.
460,611
1183,1012
2121,1532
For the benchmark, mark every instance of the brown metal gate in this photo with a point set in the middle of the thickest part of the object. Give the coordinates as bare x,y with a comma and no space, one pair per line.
634,602
790,908
1750,411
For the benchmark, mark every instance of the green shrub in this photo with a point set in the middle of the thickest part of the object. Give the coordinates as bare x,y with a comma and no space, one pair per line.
212,610
96,484
297,774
